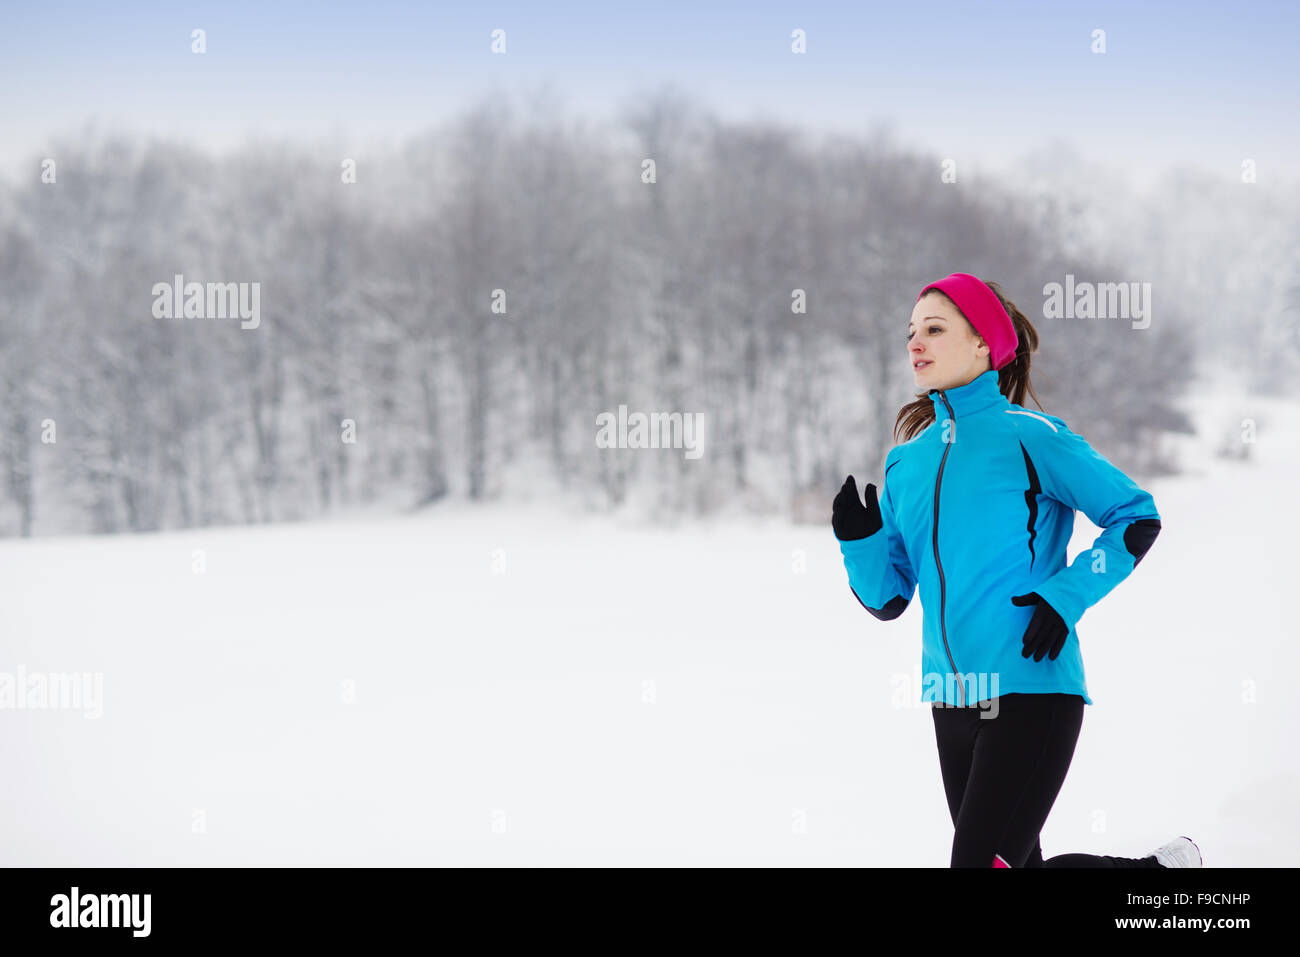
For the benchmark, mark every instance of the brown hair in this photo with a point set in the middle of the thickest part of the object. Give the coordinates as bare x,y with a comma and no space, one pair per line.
1013,378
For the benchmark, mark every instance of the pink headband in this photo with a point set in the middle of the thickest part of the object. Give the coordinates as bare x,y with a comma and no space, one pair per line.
981,306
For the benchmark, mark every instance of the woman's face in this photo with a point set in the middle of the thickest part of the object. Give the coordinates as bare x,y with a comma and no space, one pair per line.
944,350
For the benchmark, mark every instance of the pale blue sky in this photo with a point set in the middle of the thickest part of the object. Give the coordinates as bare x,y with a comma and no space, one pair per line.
1182,82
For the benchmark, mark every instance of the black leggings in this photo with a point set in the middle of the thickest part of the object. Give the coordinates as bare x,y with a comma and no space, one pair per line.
1002,774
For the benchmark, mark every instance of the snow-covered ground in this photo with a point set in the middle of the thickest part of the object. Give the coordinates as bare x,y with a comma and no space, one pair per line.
524,685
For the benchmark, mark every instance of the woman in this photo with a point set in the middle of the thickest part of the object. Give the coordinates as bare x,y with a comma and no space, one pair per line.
977,509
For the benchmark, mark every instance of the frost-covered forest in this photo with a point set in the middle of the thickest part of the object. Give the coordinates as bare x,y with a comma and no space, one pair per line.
449,317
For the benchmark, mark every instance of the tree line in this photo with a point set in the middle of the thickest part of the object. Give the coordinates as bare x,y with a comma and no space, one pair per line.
448,320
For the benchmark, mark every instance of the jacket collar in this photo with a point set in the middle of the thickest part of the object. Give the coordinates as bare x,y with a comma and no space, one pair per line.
979,393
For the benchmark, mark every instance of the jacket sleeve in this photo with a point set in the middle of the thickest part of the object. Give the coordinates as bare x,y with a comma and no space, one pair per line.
880,574
1076,475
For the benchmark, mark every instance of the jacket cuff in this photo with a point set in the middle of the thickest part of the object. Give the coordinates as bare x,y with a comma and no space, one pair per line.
860,546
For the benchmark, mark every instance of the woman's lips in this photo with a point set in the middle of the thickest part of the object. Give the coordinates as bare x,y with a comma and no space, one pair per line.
923,364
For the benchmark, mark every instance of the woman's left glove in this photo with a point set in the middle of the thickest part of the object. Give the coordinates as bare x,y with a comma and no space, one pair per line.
1047,630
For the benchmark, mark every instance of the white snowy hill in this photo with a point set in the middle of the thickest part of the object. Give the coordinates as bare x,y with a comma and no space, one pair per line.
600,693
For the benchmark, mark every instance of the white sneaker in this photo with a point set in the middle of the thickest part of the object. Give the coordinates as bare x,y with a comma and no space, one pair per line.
1180,852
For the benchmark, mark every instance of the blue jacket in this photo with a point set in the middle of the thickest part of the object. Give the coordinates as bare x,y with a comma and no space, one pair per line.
979,507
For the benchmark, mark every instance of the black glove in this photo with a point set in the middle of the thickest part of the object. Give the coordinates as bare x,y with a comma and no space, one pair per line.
850,518
1047,630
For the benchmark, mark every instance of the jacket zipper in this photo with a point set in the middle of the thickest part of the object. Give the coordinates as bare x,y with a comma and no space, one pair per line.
943,592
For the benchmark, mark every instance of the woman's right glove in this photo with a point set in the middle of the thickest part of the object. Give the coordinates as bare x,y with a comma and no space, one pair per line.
852,520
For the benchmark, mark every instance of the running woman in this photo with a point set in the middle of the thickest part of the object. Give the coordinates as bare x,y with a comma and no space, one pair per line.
977,508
